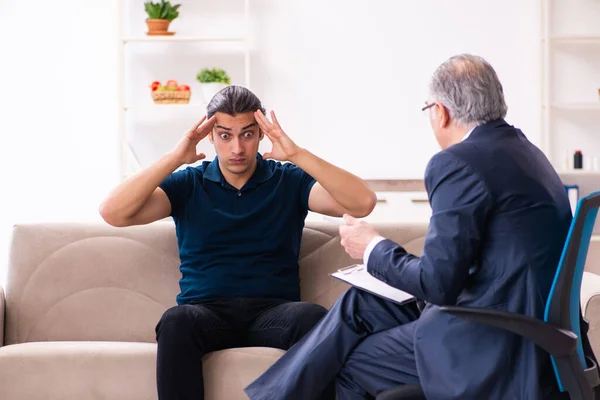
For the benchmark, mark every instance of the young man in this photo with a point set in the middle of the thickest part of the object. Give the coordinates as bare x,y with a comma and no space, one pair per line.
239,223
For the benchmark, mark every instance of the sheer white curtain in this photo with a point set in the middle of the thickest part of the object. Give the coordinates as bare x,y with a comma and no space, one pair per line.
58,111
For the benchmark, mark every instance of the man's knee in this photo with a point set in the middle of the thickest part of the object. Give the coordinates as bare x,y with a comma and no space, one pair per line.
305,316
308,314
176,321
352,298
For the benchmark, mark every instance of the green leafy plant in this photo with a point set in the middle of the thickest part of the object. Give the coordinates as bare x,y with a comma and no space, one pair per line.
162,10
208,75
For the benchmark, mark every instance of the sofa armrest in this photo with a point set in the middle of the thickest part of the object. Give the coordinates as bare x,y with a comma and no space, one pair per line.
590,307
590,288
2,305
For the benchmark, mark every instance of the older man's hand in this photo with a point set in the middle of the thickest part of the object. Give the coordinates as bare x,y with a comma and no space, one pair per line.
356,236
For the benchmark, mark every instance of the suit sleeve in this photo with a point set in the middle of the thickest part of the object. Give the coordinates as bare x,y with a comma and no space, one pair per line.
460,203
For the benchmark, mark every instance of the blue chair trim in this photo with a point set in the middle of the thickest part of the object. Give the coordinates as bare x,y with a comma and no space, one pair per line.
575,293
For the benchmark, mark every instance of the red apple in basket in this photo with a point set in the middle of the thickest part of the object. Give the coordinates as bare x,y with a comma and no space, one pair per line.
183,88
172,84
154,85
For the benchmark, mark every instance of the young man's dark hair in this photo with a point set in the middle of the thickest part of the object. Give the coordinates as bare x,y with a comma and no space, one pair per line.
234,100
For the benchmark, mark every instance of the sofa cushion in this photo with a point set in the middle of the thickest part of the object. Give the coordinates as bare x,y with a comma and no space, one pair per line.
89,282
116,370
94,282
78,370
228,372
322,254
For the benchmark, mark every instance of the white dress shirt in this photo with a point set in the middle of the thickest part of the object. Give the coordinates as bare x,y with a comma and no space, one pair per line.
467,134
378,239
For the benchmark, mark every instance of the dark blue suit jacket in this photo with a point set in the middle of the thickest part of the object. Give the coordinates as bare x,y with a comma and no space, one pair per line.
500,216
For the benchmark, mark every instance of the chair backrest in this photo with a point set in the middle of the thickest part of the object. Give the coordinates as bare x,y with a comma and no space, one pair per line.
563,306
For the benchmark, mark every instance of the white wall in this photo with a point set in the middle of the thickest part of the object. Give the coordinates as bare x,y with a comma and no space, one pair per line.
348,77
57,111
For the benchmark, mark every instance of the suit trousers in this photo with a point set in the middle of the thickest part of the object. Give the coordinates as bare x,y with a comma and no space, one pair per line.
187,332
364,345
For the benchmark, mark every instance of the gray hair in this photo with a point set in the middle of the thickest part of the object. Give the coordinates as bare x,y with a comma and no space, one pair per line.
469,88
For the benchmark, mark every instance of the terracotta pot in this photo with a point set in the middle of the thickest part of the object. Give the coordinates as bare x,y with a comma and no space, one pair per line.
158,26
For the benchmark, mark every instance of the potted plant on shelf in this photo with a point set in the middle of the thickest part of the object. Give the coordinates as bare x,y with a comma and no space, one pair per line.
170,93
160,15
212,80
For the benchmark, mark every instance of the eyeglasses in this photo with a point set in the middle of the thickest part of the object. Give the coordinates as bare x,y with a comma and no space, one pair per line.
427,106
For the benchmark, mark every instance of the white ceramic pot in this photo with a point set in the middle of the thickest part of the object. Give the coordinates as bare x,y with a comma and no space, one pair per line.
210,89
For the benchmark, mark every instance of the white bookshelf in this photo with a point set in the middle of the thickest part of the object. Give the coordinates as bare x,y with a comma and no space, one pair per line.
577,106
147,130
578,172
175,39
570,80
164,107
574,39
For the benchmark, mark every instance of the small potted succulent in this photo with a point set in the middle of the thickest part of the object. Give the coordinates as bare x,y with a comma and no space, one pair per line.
212,80
160,15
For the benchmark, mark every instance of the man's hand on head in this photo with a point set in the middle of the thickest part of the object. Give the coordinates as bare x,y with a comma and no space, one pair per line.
185,151
284,149
356,236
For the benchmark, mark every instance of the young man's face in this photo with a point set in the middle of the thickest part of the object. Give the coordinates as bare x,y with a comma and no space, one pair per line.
236,139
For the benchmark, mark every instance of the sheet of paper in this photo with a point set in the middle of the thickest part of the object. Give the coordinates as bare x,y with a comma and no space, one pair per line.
357,276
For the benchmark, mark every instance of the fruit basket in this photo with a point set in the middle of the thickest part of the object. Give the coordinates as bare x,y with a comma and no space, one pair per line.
171,93
164,97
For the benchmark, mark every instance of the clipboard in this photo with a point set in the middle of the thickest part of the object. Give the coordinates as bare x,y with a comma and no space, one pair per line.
358,276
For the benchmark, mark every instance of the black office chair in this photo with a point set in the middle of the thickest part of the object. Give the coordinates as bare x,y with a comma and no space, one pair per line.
559,333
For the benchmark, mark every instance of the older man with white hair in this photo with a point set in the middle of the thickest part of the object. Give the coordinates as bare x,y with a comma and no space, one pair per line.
500,216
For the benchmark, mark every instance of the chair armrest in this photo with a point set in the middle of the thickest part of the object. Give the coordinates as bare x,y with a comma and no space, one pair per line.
556,341
1,316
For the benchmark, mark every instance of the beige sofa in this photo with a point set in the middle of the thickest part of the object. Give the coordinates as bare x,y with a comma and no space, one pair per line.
82,302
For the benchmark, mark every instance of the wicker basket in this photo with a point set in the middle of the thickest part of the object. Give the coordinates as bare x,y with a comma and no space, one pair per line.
164,97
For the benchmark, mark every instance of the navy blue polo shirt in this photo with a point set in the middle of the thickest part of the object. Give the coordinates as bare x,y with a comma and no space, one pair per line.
239,243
